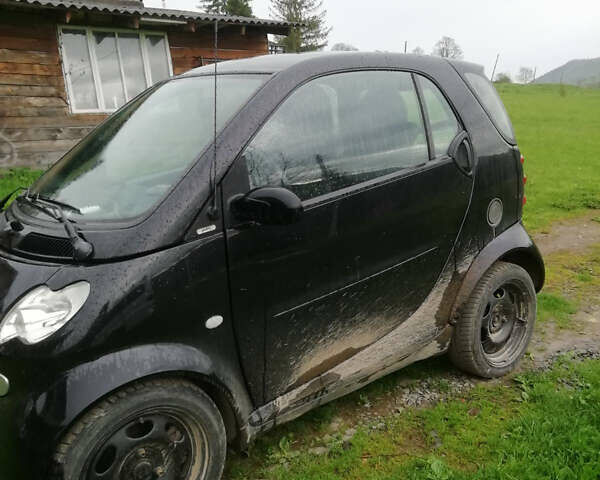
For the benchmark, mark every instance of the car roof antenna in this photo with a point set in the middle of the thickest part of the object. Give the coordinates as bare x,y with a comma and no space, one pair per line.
213,210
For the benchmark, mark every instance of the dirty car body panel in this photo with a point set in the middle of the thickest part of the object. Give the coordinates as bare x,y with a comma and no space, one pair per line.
369,279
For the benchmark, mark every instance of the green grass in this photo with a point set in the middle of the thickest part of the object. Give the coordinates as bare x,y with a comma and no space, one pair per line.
559,135
498,431
555,307
572,281
12,178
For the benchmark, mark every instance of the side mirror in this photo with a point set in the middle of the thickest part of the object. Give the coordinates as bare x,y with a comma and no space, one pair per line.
268,206
460,151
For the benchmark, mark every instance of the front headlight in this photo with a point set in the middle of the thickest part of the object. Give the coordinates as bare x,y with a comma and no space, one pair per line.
41,312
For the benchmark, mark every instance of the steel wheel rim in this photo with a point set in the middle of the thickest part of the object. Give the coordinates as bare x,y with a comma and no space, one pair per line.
505,323
157,443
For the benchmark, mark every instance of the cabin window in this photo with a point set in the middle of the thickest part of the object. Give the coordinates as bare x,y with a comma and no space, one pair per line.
442,120
104,68
489,98
339,131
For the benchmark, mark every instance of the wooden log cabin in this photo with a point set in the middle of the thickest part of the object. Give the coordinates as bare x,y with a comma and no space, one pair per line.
65,65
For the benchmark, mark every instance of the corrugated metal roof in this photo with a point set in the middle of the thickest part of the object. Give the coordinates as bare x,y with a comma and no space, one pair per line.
133,8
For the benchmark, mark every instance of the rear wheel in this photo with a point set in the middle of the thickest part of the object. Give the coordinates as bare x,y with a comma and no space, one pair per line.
497,322
159,429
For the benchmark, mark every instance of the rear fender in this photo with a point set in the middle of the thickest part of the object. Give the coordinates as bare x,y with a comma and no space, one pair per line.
513,245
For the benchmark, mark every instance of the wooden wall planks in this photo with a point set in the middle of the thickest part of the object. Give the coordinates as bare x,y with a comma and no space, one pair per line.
34,112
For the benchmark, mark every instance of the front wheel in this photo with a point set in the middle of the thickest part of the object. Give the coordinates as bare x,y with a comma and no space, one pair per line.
157,429
497,322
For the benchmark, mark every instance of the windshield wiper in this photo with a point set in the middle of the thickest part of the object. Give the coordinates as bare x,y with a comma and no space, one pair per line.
30,201
63,205
42,198
82,249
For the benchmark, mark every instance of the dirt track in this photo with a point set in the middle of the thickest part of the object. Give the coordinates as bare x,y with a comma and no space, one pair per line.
574,235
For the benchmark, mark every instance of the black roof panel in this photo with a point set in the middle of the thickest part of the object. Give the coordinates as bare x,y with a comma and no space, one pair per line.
280,62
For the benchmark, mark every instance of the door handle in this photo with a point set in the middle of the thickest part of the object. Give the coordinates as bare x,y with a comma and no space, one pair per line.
461,152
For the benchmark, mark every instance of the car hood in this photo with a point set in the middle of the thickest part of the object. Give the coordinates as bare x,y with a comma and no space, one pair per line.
47,240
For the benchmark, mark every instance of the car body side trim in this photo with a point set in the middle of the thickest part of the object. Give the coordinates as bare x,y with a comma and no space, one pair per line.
424,334
350,285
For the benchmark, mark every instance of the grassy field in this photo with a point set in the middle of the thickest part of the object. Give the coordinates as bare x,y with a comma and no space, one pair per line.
558,130
495,431
537,426
572,281
10,179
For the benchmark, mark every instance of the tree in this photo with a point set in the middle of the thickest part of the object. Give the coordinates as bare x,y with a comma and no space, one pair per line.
313,33
525,75
418,51
344,47
447,47
503,77
240,8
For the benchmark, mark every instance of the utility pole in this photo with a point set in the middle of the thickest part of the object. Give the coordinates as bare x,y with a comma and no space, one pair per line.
534,72
405,45
495,65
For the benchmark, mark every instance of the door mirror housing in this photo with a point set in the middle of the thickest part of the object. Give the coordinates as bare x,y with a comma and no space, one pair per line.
268,206
461,152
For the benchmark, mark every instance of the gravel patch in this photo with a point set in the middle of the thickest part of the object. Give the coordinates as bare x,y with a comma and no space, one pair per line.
575,354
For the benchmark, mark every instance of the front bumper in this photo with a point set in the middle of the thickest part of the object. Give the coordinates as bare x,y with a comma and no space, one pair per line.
26,443
13,406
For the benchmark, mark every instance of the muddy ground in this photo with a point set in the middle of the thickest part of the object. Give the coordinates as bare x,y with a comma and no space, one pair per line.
573,236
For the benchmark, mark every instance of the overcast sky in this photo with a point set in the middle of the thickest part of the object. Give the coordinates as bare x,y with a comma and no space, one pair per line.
536,33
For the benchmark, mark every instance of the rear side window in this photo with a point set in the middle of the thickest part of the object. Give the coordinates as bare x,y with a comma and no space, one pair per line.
339,131
490,99
443,122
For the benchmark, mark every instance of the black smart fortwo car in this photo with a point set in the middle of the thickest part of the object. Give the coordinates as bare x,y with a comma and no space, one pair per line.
163,295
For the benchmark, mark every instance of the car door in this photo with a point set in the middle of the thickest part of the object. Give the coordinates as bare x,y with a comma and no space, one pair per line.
381,213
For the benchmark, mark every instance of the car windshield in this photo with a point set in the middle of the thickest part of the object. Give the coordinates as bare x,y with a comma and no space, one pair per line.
133,159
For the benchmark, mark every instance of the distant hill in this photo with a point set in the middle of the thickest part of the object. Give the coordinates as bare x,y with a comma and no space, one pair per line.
583,73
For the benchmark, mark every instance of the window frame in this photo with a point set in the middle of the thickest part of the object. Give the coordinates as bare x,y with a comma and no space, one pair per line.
89,30
432,161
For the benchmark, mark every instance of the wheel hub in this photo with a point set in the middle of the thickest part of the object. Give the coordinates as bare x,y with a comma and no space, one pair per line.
503,323
142,463
155,447
143,471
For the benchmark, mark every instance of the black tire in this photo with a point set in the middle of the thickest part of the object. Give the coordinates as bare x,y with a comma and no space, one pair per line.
166,424
503,304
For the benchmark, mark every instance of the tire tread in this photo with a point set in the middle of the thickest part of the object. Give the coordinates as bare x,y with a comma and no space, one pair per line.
463,351
99,410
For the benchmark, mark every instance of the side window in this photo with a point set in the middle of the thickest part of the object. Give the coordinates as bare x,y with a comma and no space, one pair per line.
490,99
444,125
338,131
